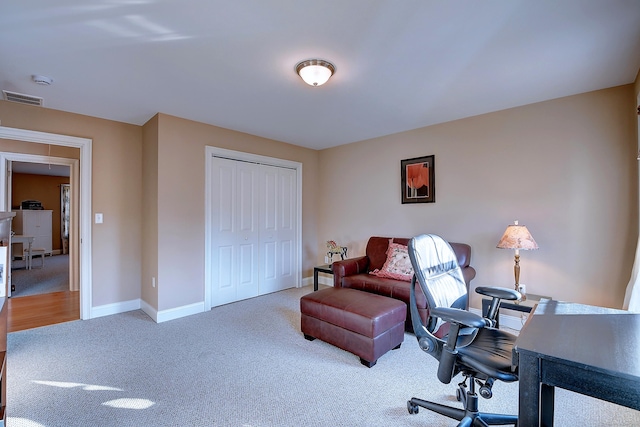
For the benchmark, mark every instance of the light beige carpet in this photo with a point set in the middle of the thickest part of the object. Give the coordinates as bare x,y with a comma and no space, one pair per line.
244,364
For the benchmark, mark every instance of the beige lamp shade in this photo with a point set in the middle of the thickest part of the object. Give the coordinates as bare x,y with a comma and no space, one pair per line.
517,237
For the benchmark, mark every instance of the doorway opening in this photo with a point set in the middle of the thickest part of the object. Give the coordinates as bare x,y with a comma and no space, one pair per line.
80,177
40,195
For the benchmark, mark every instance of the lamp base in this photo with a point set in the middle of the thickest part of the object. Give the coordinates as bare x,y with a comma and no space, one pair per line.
523,291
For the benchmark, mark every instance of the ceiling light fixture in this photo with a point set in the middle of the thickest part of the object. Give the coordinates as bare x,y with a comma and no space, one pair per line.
315,72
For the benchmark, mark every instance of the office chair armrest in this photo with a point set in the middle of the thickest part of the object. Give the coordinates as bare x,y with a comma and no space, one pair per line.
496,295
501,293
457,319
460,317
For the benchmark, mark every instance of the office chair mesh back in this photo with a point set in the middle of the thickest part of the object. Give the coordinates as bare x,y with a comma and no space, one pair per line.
436,267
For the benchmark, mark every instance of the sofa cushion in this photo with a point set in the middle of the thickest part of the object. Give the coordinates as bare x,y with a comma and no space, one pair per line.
376,249
398,265
382,286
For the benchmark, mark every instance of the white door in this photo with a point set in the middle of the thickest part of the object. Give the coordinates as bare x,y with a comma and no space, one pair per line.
235,228
277,229
254,228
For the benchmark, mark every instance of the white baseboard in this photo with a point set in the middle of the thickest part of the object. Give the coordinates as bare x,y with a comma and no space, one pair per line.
322,280
138,304
150,311
115,308
172,313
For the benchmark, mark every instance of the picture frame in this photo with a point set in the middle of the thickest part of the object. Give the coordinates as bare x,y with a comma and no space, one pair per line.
418,180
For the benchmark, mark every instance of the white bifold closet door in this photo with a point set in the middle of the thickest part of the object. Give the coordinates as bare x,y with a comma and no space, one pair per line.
253,229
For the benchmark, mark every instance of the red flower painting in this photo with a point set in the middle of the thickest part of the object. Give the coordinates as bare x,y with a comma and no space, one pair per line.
418,180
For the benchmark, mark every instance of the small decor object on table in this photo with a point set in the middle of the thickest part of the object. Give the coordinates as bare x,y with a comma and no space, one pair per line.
418,180
333,248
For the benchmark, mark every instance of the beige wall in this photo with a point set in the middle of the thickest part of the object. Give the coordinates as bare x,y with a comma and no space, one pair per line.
180,202
566,168
150,211
116,191
166,155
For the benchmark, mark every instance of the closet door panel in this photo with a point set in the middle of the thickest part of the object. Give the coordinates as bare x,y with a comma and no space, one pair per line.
277,233
225,279
223,221
268,229
247,286
247,232
287,227
235,231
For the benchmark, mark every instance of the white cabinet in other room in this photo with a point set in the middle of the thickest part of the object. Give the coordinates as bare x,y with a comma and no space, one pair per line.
33,223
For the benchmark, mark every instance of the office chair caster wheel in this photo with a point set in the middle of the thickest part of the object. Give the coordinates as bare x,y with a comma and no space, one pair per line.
485,389
486,392
412,407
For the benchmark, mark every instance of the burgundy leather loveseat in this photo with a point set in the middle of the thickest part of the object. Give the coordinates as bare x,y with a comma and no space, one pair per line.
354,273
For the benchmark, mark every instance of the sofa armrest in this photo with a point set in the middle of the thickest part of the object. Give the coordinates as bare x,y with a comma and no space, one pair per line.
348,267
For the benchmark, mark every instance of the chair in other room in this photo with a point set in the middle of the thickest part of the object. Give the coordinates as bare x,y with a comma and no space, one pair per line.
463,342
41,252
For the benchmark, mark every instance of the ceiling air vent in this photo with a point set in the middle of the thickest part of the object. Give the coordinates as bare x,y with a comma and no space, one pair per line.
22,98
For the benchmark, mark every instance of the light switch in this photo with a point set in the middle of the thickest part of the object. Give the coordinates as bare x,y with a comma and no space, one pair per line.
98,218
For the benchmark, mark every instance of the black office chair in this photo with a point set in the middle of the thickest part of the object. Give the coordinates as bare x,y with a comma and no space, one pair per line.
462,341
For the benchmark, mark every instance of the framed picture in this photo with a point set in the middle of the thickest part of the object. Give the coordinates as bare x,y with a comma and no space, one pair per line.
418,180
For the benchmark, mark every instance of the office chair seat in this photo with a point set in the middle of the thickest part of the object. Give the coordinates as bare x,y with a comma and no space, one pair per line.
490,354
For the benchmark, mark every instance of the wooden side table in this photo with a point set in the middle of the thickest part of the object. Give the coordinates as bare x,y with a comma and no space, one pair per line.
326,268
523,306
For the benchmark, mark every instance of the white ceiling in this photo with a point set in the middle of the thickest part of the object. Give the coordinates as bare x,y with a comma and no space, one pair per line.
401,65
40,169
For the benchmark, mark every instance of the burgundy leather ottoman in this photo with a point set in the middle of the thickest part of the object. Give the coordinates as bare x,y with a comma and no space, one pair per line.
365,324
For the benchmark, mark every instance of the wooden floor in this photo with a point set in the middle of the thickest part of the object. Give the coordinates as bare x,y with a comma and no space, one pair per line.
42,310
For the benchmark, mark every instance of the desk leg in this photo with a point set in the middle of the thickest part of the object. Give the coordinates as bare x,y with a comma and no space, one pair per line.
315,279
547,396
528,391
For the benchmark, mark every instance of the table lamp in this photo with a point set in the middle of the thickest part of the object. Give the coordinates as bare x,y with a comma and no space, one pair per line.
517,237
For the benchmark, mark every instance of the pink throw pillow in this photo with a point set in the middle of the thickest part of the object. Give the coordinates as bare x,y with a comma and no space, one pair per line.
397,266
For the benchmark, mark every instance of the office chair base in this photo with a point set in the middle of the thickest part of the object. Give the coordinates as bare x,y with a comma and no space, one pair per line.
468,417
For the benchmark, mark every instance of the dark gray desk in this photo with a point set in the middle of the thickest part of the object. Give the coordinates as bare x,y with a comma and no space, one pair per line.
585,349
